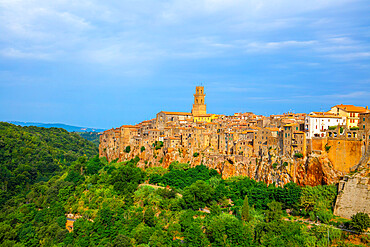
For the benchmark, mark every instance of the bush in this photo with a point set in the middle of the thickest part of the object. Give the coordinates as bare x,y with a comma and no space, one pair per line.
128,149
298,155
195,154
275,165
360,222
157,145
142,149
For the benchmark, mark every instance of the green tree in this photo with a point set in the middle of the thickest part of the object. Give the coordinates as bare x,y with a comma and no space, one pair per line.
122,241
127,178
245,209
194,236
360,222
142,149
128,149
197,195
227,230
149,217
274,212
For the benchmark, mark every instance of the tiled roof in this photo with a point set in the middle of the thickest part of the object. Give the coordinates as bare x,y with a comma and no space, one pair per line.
177,113
352,108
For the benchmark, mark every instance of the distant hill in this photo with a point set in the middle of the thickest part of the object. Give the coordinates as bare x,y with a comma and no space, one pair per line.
91,136
68,128
31,154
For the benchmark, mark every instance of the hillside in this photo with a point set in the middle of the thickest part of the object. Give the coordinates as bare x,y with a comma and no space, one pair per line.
69,128
56,191
91,136
32,154
102,204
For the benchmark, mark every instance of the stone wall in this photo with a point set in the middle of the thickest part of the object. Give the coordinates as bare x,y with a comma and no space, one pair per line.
344,154
353,196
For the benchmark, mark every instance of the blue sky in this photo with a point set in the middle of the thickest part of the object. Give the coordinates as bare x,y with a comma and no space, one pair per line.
108,63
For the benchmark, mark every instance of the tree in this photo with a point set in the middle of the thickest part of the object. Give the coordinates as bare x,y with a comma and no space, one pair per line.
245,209
197,195
149,217
142,149
227,230
360,222
298,155
127,178
122,241
128,149
274,212
194,236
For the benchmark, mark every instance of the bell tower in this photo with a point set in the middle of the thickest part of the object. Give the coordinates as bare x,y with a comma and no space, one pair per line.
199,107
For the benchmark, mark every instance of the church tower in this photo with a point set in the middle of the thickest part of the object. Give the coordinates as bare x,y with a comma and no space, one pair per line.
199,107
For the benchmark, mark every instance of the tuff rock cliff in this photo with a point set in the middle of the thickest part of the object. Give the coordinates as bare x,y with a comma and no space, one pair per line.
272,168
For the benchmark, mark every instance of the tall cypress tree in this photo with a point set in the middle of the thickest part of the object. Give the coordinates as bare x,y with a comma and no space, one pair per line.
245,209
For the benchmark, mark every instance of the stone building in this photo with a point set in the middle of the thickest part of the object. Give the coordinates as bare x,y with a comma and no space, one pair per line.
350,112
199,106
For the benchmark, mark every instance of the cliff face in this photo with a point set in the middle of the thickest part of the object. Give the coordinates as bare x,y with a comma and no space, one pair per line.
272,168
354,194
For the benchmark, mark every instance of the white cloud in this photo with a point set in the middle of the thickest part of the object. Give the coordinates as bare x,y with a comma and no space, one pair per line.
137,31
14,53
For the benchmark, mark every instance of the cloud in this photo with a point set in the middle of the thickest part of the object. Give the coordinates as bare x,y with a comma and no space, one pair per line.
139,31
268,46
14,53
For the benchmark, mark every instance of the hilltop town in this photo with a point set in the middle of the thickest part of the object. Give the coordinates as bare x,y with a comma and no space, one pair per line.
309,149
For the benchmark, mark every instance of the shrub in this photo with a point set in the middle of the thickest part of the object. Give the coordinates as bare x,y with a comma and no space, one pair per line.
195,154
298,155
142,149
327,148
275,165
157,145
360,222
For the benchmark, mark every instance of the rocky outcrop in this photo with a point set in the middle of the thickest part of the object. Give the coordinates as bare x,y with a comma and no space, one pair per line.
272,168
354,194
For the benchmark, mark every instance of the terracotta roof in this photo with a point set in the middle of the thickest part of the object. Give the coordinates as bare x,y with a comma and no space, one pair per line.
172,138
177,113
322,113
272,129
129,126
154,130
324,116
352,108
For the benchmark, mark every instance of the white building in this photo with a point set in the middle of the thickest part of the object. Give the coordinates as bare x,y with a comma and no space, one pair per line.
317,122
